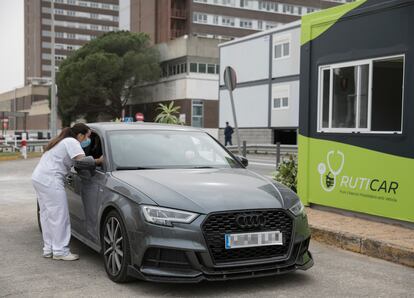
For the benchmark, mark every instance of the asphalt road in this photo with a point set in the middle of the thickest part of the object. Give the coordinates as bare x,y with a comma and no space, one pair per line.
262,164
24,273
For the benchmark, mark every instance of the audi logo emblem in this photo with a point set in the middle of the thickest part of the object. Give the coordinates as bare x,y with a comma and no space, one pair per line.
250,221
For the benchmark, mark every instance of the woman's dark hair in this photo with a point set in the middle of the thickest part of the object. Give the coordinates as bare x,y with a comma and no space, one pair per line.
68,132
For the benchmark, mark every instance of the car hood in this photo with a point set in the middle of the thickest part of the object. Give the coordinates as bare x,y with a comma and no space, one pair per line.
204,190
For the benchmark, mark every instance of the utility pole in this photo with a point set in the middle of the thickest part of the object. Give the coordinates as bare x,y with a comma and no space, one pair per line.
230,80
53,105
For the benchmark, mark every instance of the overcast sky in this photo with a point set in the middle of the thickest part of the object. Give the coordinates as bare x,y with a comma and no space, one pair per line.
12,47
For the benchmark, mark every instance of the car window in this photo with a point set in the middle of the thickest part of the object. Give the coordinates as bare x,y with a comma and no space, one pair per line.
167,149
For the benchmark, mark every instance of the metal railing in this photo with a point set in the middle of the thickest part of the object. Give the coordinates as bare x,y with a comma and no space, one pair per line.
15,145
266,149
277,149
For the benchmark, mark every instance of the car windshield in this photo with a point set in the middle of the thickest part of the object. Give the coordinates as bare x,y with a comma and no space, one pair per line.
150,149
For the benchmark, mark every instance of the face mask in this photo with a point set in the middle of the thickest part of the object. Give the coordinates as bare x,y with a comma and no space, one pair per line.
85,143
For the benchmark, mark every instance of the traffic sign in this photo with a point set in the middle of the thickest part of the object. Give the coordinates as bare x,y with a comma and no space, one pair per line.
230,78
128,119
139,117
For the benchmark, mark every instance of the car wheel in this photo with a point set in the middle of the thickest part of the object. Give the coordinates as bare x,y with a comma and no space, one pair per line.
115,247
38,218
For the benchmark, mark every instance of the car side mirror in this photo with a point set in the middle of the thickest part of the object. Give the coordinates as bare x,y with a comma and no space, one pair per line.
243,160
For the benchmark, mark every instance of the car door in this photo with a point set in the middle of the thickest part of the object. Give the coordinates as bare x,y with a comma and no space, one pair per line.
91,191
73,190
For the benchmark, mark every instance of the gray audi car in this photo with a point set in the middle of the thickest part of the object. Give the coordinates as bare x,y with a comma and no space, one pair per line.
171,204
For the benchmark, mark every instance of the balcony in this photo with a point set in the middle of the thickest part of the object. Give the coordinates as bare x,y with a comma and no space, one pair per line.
178,13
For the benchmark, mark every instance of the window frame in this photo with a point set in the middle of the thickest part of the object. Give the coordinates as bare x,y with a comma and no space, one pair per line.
275,90
281,41
200,103
356,63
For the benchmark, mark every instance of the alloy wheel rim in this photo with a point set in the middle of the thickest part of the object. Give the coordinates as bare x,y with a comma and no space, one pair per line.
113,248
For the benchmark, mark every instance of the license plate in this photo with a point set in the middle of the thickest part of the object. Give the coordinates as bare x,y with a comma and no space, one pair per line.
253,239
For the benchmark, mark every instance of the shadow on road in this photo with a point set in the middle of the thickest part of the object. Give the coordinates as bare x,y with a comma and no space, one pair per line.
205,288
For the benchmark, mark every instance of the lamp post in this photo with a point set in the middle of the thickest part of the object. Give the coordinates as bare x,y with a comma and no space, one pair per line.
53,102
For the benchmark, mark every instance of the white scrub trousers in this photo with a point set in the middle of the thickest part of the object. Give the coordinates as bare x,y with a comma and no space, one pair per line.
54,217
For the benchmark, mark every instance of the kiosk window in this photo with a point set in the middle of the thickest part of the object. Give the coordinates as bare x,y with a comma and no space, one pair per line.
348,104
387,83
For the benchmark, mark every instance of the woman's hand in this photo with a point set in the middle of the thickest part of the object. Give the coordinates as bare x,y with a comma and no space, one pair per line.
99,161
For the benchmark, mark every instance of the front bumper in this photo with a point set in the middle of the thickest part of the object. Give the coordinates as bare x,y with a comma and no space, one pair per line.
303,262
180,254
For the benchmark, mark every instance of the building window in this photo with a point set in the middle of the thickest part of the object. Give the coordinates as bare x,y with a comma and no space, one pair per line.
226,21
280,95
361,96
246,24
72,2
94,16
228,2
202,68
215,20
193,67
106,6
94,5
59,34
94,27
81,3
59,11
197,111
244,3
217,69
71,35
281,47
199,18
211,68
260,25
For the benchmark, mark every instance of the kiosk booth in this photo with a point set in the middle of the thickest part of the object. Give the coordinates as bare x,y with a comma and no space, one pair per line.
356,114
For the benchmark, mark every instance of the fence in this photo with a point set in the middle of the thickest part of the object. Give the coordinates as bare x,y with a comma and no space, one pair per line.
276,149
14,145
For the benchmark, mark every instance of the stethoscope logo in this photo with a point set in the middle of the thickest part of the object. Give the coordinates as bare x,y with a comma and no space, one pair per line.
328,181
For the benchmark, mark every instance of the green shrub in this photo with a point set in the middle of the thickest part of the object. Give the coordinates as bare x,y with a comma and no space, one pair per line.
287,173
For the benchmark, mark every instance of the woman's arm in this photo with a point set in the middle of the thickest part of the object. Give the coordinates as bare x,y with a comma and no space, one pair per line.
98,161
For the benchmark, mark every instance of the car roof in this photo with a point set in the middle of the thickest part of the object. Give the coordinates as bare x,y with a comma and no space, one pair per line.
116,126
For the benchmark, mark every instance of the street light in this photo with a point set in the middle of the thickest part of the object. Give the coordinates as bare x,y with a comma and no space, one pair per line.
53,102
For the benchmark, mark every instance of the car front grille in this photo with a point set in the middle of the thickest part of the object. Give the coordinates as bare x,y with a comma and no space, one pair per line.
216,225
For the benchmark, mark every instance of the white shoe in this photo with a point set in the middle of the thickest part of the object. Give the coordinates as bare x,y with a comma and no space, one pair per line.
47,255
69,257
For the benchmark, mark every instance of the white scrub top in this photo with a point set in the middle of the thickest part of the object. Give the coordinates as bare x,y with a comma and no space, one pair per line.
56,162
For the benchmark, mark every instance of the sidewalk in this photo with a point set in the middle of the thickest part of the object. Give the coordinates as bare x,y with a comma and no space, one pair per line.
385,241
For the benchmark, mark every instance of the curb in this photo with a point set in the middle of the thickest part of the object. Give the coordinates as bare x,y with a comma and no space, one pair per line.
365,246
17,157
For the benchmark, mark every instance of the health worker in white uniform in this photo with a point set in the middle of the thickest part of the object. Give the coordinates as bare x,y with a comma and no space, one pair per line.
48,181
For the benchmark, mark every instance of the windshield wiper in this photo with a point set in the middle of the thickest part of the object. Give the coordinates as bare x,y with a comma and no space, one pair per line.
135,168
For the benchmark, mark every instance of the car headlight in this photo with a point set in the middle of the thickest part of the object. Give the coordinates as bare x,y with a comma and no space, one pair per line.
298,208
166,216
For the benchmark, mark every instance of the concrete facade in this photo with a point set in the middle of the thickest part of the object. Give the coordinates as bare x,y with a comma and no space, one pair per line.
164,20
76,22
189,78
26,108
267,94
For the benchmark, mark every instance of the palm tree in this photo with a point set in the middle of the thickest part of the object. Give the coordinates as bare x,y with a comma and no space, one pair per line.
168,114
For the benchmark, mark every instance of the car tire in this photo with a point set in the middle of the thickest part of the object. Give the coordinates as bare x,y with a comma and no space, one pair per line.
115,247
39,223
